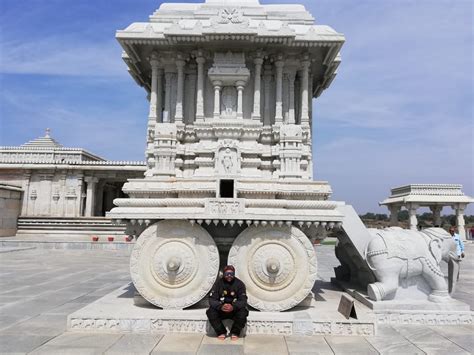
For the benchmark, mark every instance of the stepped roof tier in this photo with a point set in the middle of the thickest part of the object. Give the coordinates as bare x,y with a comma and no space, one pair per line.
244,26
46,150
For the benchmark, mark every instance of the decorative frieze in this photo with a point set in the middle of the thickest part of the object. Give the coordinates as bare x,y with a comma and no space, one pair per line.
201,326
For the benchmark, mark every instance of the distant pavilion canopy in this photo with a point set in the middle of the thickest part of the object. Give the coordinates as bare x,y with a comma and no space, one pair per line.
434,196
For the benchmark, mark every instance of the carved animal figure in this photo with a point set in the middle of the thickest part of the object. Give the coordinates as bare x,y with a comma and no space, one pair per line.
395,253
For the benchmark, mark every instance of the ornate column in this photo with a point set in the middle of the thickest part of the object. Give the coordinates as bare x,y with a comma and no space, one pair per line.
258,61
63,192
304,90
217,96
279,90
200,60
459,208
240,89
159,95
178,116
152,115
291,104
78,208
267,77
436,210
167,111
413,221
394,215
90,195
26,193
189,94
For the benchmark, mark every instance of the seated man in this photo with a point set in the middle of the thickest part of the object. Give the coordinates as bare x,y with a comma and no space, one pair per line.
228,300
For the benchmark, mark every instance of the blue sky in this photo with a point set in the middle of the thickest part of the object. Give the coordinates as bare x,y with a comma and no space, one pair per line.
400,110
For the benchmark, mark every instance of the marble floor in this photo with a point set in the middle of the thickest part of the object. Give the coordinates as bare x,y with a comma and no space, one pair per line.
40,287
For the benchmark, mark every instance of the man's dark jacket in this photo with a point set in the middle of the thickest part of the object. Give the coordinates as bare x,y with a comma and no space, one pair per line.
225,292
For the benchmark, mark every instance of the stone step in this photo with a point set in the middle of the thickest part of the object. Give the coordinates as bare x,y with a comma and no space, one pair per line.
68,226
117,313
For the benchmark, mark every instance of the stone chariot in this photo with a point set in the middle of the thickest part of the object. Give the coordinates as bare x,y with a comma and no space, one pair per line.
229,156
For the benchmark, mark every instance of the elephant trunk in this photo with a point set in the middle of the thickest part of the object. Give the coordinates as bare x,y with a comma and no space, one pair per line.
453,272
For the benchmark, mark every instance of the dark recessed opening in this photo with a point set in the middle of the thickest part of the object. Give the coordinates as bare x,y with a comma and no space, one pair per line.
226,188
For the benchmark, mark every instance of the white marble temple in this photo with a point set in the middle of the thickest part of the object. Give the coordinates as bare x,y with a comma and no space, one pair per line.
229,142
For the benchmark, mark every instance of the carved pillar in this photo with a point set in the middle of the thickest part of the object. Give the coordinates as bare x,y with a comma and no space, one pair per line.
267,77
279,90
459,208
291,104
90,195
79,201
200,60
240,89
217,95
256,93
436,210
26,193
159,96
152,115
63,193
394,215
413,221
304,91
167,111
178,116
190,96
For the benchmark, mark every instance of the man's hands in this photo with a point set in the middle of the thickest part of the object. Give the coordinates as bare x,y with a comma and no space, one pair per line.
227,308
462,255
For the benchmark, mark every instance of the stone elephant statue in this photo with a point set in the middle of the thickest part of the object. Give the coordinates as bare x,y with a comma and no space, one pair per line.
395,254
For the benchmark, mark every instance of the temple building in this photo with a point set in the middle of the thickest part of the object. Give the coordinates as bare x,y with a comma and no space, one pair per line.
62,182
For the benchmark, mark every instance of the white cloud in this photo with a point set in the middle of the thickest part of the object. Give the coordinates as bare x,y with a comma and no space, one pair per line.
62,56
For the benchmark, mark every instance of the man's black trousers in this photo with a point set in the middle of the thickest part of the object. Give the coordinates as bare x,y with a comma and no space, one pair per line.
239,317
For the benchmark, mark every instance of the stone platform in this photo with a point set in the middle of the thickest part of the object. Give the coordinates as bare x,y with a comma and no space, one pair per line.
117,313
412,311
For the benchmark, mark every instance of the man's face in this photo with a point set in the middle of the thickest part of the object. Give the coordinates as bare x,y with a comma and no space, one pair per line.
451,231
229,275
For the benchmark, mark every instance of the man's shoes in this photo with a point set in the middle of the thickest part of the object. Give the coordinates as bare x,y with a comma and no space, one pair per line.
221,337
234,337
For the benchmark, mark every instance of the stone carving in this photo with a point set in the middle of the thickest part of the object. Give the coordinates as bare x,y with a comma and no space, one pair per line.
230,16
174,264
229,101
396,254
224,207
278,265
269,327
228,161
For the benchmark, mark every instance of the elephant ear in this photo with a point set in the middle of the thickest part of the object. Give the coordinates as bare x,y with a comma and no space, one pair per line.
435,249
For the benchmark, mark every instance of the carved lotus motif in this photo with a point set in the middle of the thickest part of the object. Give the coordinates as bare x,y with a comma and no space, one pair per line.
230,16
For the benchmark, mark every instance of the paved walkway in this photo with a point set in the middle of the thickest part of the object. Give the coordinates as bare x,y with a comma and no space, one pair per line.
40,287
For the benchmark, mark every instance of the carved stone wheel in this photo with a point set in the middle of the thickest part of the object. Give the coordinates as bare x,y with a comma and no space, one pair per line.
174,264
277,265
